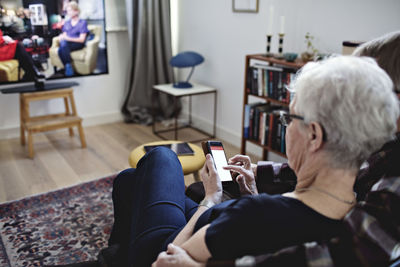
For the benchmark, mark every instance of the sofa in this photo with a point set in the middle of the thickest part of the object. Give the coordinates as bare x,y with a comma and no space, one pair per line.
10,71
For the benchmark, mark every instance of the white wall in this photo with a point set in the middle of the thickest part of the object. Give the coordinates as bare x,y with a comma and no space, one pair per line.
98,98
224,38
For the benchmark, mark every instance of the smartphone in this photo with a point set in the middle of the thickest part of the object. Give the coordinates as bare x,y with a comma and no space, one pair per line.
216,149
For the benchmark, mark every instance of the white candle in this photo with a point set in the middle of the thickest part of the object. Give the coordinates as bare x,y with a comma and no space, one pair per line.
270,20
282,24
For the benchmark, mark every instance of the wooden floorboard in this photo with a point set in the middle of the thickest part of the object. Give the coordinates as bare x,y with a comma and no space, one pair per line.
59,160
33,172
13,185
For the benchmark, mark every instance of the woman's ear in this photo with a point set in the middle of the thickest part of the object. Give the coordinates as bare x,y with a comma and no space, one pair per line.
316,136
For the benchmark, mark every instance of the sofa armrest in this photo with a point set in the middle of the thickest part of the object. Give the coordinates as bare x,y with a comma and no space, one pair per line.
92,44
56,42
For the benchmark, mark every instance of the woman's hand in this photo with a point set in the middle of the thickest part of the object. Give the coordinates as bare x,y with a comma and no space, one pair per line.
62,36
7,39
211,181
175,256
245,173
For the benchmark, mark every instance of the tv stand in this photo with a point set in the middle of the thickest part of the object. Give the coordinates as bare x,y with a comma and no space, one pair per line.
37,88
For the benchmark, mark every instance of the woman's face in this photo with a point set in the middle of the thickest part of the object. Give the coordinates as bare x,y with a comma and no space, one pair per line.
72,13
296,142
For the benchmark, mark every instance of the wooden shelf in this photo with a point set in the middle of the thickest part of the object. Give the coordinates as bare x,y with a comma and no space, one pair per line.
275,63
271,100
50,124
297,64
266,147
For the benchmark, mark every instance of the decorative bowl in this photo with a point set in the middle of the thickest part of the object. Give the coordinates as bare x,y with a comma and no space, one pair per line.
290,57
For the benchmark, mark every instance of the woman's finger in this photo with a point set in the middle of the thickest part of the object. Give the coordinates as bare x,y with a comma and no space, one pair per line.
245,160
172,249
235,158
235,168
210,164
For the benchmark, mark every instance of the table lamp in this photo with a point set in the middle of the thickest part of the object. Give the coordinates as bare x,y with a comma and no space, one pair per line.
185,60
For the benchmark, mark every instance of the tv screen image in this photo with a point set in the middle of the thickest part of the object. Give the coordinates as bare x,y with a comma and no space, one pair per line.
51,39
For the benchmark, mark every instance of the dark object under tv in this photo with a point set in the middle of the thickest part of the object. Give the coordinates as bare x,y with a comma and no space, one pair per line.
35,88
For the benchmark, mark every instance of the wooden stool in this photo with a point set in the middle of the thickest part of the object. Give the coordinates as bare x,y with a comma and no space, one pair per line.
190,163
49,122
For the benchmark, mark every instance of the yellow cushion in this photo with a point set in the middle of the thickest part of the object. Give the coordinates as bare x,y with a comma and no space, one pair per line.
190,163
9,70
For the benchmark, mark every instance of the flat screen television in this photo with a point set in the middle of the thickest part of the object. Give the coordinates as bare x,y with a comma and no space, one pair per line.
36,25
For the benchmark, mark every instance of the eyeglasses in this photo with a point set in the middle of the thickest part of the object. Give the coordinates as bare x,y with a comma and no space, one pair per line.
287,118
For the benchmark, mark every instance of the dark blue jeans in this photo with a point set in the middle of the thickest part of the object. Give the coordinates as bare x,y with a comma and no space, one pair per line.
150,207
65,49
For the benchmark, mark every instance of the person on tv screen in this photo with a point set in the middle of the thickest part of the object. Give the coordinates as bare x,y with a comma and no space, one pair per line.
12,49
73,36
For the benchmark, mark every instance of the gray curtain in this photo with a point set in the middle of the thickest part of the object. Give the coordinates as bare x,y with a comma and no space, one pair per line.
150,33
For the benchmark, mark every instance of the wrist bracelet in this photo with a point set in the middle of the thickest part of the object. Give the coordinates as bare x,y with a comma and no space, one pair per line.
206,203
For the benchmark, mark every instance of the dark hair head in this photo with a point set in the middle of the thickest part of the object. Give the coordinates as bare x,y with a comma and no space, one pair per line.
386,51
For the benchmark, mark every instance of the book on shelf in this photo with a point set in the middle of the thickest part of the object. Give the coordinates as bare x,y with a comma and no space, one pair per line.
260,64
261,82
283,143
259,126
263,128
278,134
271,123
278,140
248,118
262,124
269,82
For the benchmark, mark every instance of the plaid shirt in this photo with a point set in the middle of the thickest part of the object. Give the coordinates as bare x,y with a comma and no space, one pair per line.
384,162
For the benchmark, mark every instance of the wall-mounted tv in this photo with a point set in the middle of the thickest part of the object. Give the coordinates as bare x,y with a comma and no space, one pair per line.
55,39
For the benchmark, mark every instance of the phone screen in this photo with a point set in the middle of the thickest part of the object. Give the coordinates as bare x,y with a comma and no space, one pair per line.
219,157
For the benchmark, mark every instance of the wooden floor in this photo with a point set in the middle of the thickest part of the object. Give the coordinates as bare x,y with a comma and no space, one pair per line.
59,160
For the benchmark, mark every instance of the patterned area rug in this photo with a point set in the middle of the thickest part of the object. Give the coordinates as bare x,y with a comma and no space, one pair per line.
60,227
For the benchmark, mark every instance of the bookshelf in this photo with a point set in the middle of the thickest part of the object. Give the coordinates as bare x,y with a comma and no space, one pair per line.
265,80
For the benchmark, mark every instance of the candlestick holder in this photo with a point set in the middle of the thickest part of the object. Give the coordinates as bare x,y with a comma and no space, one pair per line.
280,47
268,47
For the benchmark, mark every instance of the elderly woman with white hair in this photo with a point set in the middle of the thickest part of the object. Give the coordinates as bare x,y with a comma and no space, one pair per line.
342,111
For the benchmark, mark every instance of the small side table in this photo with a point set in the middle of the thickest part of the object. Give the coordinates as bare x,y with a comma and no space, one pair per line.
197,89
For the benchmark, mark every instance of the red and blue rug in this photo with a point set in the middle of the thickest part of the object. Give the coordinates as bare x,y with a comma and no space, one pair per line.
60,227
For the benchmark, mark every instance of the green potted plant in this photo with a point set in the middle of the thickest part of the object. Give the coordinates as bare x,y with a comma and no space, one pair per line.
311,51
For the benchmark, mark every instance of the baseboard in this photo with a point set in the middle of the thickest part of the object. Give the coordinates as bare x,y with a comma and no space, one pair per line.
13,131
232,137
102,118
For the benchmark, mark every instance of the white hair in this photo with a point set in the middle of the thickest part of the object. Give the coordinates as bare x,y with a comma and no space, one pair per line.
352,98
